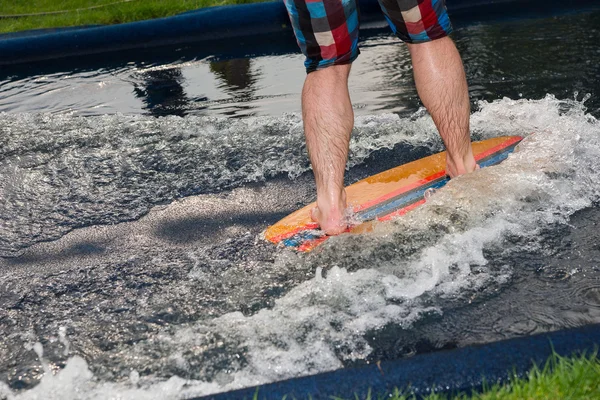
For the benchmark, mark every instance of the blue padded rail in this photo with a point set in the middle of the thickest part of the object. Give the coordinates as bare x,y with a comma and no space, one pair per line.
451,371
230,23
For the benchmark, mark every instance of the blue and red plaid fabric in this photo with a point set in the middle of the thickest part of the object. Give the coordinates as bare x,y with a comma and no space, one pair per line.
327,30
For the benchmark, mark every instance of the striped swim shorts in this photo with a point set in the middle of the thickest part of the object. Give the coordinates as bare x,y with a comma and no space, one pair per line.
327,30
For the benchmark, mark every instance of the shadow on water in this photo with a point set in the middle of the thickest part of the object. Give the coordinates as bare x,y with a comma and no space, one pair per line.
194,229
385,159
238,81
235,73
78,250
162,92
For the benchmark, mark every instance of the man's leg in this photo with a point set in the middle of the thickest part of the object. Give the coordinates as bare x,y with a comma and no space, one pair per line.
439,74
327,33
328,121
442,87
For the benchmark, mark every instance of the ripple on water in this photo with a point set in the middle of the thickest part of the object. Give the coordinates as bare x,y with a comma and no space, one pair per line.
511,325
589,294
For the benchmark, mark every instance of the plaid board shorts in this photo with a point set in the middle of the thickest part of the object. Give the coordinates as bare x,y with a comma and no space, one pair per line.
327,30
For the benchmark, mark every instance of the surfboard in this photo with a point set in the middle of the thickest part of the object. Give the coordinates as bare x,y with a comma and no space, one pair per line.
386,195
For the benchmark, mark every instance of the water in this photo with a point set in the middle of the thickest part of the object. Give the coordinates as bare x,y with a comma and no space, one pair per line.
514,59
132,259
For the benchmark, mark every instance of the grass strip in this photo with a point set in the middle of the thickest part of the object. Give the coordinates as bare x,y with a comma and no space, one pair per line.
573,378
66,13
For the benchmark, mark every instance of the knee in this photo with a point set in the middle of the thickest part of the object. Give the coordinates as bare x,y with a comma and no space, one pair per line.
437,44
332,75
333,71
439,49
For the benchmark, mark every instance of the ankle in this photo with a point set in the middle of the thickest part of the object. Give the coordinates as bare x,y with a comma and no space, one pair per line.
461,165
333,203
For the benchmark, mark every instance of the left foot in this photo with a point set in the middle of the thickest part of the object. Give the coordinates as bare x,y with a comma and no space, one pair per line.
331,217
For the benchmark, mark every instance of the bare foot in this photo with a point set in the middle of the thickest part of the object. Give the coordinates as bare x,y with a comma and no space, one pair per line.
460,167
331,218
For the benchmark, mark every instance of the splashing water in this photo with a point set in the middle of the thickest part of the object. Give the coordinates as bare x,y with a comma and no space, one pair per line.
462,247
64,172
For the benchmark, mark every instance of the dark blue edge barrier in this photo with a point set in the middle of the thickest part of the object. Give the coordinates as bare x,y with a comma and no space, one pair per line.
228,23
462,370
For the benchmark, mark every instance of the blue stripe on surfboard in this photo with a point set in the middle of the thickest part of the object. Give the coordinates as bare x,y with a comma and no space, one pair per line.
497,158
300,239
400,201
407,199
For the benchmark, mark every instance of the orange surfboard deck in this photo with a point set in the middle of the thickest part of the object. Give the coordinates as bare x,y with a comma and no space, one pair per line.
385,195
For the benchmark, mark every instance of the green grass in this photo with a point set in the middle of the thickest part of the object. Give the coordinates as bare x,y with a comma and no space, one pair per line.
576,378
110,13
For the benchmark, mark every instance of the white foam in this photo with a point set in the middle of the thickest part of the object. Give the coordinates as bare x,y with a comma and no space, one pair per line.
62,337
91,166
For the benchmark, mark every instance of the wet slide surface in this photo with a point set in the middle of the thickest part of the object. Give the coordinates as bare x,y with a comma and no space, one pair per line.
132,205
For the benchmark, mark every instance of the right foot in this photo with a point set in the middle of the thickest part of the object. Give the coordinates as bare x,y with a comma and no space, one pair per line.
464,166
